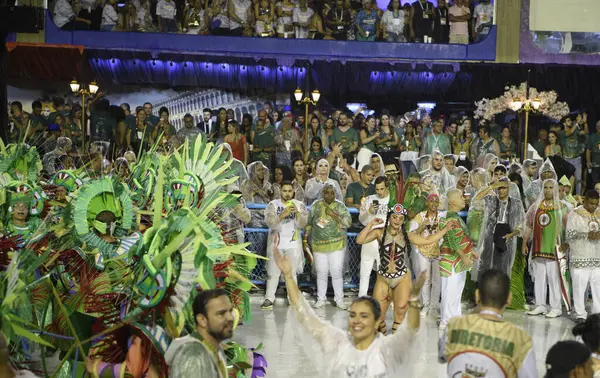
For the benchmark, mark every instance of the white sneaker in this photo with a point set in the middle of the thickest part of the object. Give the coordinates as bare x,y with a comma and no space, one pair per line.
539,310
425,311
319,303
554,314
341,305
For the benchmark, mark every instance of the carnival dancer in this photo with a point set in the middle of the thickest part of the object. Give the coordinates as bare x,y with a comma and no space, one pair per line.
201,354
375,205
315,185
426,257
360,351
25,206
502,224
328,220
545,222
285,218
393,275
457,254
583,236
589,330
508,353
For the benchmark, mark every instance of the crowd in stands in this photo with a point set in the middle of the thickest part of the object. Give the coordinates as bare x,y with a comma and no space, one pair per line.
277,138
462,22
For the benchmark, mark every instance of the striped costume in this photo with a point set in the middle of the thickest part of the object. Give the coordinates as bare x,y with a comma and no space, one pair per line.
452,268
455,240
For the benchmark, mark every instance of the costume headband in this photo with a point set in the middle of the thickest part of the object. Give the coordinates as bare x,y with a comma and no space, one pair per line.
399,209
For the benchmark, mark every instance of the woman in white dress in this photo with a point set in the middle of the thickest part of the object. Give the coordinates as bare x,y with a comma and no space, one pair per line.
360,351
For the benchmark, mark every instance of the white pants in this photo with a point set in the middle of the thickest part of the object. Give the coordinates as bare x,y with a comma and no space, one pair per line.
580,278
330,263
452,289
369,255
273,272
545,273
431,290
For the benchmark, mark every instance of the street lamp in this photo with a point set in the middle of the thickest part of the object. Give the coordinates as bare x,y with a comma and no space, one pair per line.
298,95
526,105
78,90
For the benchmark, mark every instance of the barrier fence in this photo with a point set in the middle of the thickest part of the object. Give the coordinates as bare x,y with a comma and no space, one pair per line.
257,237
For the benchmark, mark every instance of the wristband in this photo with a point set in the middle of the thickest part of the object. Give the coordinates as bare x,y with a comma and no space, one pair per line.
415,299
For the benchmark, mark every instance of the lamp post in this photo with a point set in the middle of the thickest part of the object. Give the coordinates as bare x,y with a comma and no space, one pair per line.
526,105
79,90
306,100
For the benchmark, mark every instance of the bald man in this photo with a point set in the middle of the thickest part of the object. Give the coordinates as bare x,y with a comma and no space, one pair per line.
456,258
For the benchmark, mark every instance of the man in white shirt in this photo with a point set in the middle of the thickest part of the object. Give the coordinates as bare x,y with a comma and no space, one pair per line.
583,237
459,16
483,18
374,206
285,218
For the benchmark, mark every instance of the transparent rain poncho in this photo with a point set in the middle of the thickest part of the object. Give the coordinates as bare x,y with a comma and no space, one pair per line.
442,179
333,352
256,190
496,212
535,188
315,185
527,180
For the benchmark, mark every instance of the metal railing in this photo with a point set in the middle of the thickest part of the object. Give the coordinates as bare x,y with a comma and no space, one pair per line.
258,239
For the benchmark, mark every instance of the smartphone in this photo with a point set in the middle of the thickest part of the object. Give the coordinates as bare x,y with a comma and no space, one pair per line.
376,203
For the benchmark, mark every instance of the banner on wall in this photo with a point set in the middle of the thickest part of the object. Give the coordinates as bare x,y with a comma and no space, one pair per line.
194,102
179,103
564,15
